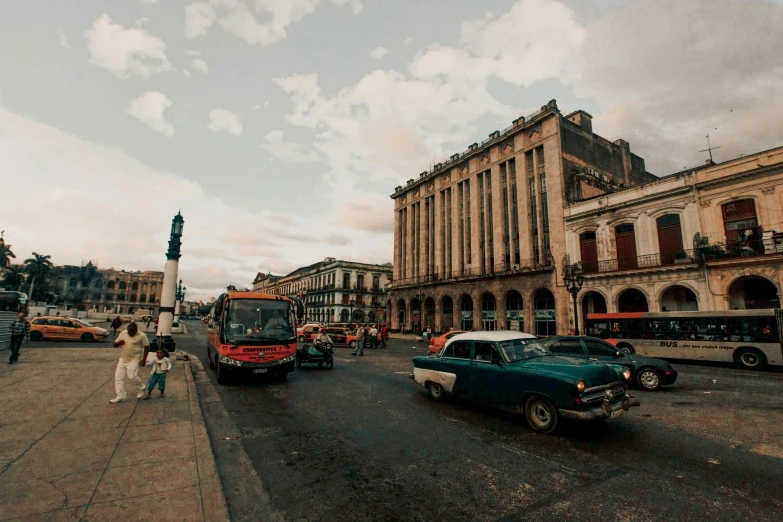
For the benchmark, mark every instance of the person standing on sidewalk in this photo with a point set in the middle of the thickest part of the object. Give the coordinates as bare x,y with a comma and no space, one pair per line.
135,347
160,367
359,342
384,335
374,337
19,330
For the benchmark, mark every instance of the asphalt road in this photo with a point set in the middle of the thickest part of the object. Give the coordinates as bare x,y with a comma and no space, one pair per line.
363,442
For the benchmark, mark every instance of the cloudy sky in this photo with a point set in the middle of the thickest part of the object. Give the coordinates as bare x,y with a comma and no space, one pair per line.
280,127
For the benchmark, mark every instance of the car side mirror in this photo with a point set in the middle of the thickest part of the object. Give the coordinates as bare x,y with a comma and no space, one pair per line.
618,354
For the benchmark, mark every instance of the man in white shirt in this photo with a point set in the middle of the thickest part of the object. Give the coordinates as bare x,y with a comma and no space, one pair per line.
135,347
374,336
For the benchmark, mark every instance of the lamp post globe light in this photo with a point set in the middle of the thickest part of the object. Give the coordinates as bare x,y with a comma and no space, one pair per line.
168,297
573,280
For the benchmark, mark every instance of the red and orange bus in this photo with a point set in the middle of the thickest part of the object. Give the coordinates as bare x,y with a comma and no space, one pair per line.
253,333
748,338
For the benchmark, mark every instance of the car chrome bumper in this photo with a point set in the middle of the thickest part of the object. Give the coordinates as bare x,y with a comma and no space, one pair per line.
604,411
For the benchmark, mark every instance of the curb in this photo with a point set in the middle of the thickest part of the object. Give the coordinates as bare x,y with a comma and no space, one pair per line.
213,500
249,500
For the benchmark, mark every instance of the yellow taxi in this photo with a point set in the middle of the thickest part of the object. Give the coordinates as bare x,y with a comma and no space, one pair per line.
65,328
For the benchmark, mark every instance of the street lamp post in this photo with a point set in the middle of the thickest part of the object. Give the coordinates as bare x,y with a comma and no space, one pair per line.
178,303
350,315
573,280
168,296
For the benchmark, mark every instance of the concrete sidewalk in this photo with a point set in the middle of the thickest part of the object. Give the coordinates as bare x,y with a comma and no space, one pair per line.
66,453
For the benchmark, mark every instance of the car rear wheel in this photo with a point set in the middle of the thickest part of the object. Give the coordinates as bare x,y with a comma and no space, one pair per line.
436,391
353,344
649,379
87,338
541,414
750,359
36,336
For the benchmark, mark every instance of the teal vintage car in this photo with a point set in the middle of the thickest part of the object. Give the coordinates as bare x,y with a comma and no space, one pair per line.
513,371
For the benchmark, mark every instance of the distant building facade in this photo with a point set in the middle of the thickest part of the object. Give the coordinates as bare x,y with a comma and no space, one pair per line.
709,238
477,240
334,290
107,290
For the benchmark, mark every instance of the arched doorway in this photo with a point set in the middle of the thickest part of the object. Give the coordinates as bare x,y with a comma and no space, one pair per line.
447,317
416,315
345,316
515,316
592,303
358,316
678,298
466,313
544,308
488,307
429,313
753,293
371,316
401,315
632,300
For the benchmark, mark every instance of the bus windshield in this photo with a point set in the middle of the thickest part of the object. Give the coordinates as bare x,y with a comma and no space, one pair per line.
258,319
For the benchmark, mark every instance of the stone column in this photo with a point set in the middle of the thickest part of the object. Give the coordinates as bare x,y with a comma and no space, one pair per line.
523,201
499,222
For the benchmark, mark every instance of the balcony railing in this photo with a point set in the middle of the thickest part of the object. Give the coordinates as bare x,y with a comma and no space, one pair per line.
527,265
741,249
640,262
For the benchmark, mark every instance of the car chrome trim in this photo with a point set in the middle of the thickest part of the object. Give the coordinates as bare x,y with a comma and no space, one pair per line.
602,412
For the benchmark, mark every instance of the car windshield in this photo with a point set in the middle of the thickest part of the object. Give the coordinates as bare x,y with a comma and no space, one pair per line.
519,349
258,319
84,323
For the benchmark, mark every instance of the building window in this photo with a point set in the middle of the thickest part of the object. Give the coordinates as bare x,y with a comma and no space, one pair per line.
506,238
531,179
669,237
346,280
625,239
588,249
491,224
741,223
544,204
376,283
512,171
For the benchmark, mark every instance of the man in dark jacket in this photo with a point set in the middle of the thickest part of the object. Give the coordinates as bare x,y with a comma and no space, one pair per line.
19,330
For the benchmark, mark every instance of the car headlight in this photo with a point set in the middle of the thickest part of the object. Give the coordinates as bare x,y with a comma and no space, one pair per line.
580,386
229,361
627,374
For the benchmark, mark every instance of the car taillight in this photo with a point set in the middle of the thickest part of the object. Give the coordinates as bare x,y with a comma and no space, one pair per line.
432,342
578,400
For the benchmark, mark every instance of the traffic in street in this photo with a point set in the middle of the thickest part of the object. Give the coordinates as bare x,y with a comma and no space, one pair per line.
362,441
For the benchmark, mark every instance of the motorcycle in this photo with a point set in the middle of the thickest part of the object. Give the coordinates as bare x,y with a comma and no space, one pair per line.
321,353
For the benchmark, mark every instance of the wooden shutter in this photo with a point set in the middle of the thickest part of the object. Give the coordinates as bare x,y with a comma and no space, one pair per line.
669,237
589,252
625,238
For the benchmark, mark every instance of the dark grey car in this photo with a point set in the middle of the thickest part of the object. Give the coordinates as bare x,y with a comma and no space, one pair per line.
649,373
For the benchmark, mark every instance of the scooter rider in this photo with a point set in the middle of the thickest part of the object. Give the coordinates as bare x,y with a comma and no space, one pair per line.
323,338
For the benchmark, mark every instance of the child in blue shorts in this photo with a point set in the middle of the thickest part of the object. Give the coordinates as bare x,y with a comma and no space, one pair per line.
160,367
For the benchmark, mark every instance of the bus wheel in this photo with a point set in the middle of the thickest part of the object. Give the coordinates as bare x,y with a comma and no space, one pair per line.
649,379
627,348
222,374
750,359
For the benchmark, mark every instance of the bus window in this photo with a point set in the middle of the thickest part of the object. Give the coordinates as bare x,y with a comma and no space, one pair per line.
598,329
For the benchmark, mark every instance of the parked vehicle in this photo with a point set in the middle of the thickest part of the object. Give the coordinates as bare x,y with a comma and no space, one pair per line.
253,332
513,371
436,343
307,332
748,338
318,353
128,318
338,335
648,373
65,328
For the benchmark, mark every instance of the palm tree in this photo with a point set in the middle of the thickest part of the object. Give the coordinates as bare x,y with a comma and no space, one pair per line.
38,267
5,253
13,278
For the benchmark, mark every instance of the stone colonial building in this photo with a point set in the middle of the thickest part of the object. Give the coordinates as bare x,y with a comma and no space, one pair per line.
709,238
477,240
107,290
334,290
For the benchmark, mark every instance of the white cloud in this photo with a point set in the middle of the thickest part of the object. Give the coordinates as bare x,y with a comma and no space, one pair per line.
64,40
408,39
200,65
186,73
379,52
149,108
123,51
275,144
149,1
236,17
223,120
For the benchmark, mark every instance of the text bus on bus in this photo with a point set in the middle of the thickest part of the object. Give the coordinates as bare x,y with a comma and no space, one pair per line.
254,333
748,338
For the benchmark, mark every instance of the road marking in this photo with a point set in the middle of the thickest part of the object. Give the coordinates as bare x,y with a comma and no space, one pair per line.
402,373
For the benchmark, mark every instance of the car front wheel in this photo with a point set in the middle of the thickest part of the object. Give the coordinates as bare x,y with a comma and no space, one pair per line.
649,379
353,344
301,338
87,338
541,414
